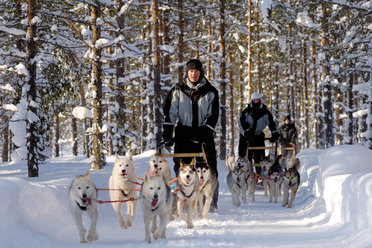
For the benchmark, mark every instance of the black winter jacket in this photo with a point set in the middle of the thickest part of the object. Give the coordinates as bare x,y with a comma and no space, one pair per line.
192,107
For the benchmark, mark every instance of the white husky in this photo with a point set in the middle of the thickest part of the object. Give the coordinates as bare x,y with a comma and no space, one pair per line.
187,196
159,164
207,186
156,200
122,185
83,198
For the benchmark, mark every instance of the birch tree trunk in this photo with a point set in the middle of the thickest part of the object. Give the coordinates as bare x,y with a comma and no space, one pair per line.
97,160
33,159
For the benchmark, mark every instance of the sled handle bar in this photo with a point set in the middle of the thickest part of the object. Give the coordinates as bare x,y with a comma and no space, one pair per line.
188,155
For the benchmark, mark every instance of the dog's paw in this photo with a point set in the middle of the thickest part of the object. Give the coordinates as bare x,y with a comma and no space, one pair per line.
83,241
129,222
156,234
123,225
92,236
190,225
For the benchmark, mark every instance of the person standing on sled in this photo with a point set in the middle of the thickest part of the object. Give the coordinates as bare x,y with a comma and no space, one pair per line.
191,111
288,138
252,121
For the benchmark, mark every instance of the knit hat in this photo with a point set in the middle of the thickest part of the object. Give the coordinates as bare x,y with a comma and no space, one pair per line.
195,64
288,117
255,96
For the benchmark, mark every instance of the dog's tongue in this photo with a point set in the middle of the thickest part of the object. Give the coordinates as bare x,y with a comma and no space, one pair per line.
89,201
154,202
201,182
152,173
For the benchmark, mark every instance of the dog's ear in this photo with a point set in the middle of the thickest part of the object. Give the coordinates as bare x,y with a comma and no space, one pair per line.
278,159
230,166
192,163
296,164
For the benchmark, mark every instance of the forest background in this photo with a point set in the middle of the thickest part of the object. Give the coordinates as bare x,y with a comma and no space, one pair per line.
91,75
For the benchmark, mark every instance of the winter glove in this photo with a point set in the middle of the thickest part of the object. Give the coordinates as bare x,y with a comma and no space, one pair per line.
274,137
167,135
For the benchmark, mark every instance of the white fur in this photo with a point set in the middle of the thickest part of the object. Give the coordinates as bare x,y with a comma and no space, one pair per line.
122,185
159,164
83,198
207,186
235,180
156,200
187,196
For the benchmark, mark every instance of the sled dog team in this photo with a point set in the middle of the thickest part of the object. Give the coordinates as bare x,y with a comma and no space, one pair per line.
196,186
242,178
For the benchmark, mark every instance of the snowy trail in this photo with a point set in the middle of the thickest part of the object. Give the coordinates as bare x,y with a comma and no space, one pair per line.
37,210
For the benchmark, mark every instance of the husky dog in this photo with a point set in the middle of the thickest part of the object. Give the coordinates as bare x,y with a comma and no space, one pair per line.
249,175
156,200
122,185
275,176
83,198
235,180
159,164
291,182
207,186
187,196
265,165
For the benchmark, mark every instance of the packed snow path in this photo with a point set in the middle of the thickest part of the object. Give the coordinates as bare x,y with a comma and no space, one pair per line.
331,209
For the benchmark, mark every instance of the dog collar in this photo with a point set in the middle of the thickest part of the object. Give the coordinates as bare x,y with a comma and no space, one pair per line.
238,184
187,196
202,188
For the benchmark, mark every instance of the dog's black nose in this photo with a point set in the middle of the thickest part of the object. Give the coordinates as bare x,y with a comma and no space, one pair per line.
84,196
123,171
155,165
155,196
188,176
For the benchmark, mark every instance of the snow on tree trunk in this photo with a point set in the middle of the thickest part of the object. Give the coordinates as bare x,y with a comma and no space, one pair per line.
157,89
327,89
369,116
32,120
97,158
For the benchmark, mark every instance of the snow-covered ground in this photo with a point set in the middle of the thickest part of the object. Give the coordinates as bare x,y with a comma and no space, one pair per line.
332,208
